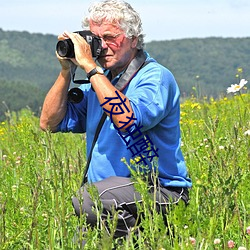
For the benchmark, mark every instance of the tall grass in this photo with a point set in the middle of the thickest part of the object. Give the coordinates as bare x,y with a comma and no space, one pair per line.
40,172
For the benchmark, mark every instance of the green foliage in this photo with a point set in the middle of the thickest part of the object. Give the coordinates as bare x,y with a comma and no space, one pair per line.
28,68
28,58
40,172
14,95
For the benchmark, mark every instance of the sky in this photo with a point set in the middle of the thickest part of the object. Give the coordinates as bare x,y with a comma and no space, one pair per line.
162,19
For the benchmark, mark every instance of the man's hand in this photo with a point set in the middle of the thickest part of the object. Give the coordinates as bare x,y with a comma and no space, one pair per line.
83,54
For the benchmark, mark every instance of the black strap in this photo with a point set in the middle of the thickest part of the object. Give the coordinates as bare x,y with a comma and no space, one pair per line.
136,64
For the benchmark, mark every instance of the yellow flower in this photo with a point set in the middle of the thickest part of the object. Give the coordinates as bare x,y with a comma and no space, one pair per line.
137,159
240,70
132,162
195,105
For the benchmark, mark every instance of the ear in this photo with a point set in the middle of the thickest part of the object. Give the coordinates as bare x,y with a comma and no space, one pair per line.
134,42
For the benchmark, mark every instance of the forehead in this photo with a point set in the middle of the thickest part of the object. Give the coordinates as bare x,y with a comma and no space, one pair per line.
104,27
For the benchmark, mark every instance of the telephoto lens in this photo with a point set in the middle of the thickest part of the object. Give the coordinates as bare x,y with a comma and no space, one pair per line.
65,48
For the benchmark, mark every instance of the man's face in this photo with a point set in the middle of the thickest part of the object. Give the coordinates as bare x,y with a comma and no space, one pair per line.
118,50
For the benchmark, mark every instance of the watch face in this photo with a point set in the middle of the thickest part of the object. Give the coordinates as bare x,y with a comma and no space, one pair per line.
99,70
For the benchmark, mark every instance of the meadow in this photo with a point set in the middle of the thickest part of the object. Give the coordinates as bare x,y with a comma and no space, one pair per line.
40,172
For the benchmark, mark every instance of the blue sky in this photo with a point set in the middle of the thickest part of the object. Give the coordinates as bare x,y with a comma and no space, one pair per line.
162,19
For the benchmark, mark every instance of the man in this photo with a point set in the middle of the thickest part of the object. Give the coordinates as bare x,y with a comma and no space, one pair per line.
141,100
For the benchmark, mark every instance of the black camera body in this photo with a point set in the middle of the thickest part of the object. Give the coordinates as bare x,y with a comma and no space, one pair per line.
65,48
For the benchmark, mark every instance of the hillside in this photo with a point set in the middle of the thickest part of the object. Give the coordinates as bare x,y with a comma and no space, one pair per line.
211,63
28,66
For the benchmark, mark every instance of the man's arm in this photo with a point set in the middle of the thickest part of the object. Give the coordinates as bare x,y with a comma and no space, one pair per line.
55,103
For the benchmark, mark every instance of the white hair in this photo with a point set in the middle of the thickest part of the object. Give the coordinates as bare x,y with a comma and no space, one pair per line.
120,13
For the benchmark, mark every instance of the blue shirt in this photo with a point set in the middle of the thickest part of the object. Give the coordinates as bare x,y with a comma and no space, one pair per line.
154,97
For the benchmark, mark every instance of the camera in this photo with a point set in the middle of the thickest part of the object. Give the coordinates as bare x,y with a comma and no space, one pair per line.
65,48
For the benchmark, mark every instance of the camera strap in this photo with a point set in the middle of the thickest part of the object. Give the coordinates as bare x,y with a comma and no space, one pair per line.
136,64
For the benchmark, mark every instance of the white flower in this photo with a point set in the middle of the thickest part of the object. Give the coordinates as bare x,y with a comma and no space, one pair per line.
237,87
217,241
22,210
246,133
242,248
192,240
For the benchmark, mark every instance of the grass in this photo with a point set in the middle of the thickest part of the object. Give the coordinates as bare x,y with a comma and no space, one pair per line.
40,172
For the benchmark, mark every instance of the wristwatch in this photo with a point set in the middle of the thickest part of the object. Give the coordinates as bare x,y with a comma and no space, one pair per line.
96,70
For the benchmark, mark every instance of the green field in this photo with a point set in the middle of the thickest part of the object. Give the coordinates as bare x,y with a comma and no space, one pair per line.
40,172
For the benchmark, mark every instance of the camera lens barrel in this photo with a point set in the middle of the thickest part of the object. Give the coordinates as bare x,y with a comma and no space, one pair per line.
75,95
65,48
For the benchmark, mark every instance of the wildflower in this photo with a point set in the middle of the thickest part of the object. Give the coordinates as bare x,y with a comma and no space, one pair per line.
230,244
221,147
14,188
247,133
22,210
137,159
123,160
248,230
240,70
132,162
198,182
195,106
216,241
192,240
242,248
237,87
45,216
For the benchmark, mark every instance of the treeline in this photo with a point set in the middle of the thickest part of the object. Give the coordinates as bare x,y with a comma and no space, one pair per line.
16,95
210,64
28,67
204,67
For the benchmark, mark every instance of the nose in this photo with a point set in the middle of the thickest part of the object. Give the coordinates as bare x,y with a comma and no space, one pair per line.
104,44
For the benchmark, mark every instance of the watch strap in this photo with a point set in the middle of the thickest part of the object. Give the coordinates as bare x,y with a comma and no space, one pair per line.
93,72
